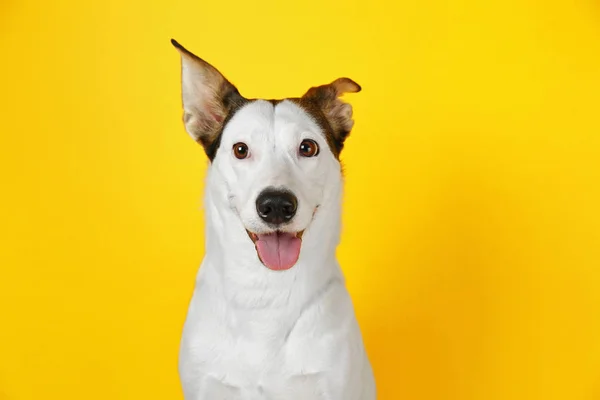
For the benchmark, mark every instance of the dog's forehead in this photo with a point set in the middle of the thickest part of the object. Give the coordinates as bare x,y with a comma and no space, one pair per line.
271,118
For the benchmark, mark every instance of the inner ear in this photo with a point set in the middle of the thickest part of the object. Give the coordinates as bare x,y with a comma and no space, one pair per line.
209,99
337,113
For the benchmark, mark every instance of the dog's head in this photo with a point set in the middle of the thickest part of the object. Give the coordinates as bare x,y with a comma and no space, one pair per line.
279,159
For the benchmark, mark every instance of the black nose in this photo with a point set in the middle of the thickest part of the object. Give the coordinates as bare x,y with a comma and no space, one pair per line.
276,206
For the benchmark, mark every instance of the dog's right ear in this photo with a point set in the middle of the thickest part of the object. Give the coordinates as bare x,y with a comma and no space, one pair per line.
208,98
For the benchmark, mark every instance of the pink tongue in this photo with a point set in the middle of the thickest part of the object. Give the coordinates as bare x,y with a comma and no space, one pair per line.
278,251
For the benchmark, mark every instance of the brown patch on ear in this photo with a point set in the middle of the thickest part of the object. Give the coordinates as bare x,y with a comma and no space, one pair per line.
209,100
334,115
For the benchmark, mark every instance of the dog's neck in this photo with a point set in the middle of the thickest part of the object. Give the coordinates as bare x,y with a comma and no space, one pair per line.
238,276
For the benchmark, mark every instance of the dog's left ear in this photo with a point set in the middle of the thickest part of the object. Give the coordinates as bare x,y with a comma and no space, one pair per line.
337,113
208,98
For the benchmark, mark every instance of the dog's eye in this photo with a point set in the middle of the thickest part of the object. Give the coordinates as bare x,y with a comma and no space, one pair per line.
240,150
309,148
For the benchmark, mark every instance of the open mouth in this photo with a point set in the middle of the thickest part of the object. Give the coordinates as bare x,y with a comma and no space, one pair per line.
277,250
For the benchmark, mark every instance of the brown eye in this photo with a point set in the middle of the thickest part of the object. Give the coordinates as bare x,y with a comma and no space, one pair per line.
240,150
309,148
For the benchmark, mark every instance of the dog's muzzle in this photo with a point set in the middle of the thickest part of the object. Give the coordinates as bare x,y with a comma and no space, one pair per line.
277,250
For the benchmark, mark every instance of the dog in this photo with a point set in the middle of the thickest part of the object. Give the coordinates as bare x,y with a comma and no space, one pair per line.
270,317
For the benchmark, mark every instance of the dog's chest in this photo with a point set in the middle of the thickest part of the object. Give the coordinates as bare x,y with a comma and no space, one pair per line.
266,354
291,368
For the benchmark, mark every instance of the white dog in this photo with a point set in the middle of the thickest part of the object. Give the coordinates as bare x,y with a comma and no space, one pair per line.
270,316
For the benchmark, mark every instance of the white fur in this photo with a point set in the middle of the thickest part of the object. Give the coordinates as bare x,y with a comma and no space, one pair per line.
253,333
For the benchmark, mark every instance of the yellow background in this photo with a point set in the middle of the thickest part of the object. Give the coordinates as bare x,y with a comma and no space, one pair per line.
472,216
